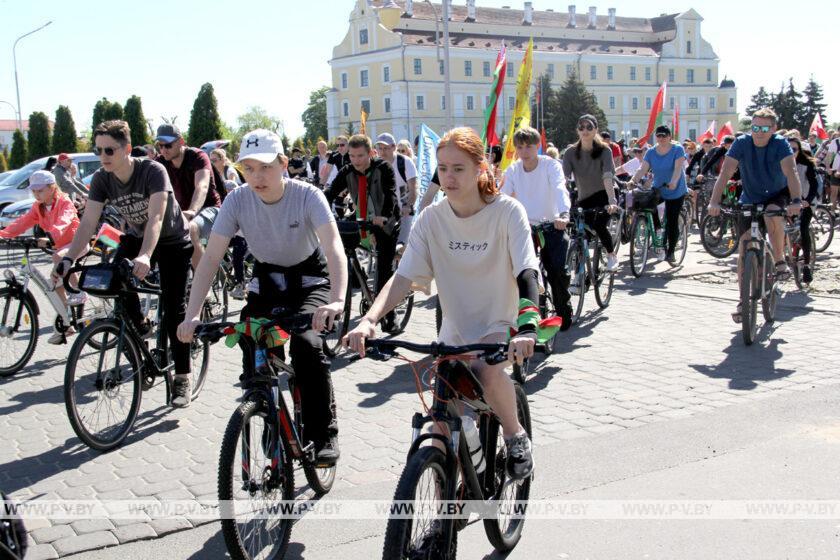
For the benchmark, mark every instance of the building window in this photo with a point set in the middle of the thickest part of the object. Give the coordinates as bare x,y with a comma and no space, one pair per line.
712,103
470,103
688,49
731,102
689,76
468,68
511,103
345,108
708,74
366,106
609,72
443,103
486,67
570,69
692,103
635,103
647,73
692,133
634,133
387,101
648,103
363,78
633,73
612,102
671,103
550,72
344,80
363,37
421,103
386,74
593,72
418,66
672,76
440,67
510,66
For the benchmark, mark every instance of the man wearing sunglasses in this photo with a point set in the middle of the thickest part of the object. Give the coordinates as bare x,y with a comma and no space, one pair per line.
338,159
769,177
194,183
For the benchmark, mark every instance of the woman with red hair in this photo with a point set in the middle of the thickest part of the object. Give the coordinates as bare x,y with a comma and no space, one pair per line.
476,245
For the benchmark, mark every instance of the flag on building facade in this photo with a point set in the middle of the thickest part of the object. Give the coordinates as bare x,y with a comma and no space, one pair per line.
489,136
522,107
656,114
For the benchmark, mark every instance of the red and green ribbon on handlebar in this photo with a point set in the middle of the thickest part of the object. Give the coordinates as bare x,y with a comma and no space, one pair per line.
529,320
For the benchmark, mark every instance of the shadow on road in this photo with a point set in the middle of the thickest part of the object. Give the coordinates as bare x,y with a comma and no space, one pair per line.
401,380
50,395
567,341
744,366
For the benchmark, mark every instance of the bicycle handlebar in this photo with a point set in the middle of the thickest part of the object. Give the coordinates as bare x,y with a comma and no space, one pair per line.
491,353
27,243
124,269
294,324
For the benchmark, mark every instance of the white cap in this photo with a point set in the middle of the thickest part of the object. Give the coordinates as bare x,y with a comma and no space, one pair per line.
386,139
41,179
261,145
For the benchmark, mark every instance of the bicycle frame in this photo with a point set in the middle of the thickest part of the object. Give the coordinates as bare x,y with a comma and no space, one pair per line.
758,242
29,274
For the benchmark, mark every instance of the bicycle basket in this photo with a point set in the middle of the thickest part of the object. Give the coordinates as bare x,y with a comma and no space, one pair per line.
350,233
646,198
102,280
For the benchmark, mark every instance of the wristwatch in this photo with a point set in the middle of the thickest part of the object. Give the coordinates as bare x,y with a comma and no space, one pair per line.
796,201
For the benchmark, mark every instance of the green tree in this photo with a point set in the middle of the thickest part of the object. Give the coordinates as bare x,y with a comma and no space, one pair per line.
759,100
788,107
350,130
6,153
4,166
64,135
286,143
315,116
17,159
205,123
105,110
563,107
136,121
812,104
39,136
114,112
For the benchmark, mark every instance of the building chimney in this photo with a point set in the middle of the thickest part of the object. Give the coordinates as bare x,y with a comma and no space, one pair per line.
592,17
612,18
409,8
572,22
470,10
528,16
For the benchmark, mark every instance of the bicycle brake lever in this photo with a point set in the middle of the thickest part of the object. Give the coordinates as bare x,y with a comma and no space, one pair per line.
496,358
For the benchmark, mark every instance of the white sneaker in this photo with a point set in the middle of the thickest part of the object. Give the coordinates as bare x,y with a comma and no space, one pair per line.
612,263
238,291
58,338
660,255
77,299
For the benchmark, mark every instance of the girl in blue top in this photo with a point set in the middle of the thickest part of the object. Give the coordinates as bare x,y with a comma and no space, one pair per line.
667,161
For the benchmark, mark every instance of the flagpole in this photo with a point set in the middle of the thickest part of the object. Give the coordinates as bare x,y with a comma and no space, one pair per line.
446,81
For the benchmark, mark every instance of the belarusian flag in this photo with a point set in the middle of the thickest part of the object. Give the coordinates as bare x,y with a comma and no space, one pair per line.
522,108
490,137
109,235
676,122
710,132
818,128
655,114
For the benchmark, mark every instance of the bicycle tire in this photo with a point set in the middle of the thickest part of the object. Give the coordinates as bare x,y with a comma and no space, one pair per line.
332,340
29,317
603,293
107,389
13,543
639,245
199,349
320,479
575,264
231,461
217,302
495,475
769,302
750,292
823,225
682,240
438,314
519,373
399,532
714,239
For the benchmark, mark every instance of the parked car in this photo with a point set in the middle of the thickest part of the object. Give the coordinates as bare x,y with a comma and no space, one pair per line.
208,147
15,187
5,174
15,210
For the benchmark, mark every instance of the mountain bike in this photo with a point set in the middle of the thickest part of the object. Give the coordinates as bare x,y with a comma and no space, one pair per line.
644,236
587,268
794,255
262,441
19,323
433,477
111,362
822,224
719,234
546,299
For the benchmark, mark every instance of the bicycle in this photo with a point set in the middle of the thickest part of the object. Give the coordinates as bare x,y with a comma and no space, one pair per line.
546,299
20,325
587,268
121,363
644,235
758,280
433,474
719,234
822,224
262,472
350,232
794,254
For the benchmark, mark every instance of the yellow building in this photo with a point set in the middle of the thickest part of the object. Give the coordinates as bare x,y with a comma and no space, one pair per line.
391,62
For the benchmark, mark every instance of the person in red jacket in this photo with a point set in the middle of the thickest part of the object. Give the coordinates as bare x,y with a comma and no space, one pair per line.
55,213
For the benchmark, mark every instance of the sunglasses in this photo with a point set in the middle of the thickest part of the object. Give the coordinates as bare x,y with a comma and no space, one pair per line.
583,127
108,151
661,135
341,145
161,145
762,128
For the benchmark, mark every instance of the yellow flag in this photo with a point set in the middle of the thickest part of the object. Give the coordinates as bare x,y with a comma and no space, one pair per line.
522,108
363,128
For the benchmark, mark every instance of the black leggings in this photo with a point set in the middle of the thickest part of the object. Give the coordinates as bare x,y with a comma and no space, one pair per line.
173,261
553,257
240,249
672,222
599,200
805,234
386,250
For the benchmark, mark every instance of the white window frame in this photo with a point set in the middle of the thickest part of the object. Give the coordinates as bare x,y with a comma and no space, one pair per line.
693,103
469,105
708,74
648,73
712,102
632,73
417,65
570,69
510,69
364,71
369,106
689,75
511,102
386,73
468,68
420,101
550,71
610,72
593,72
648,103
443,103
634,104
672,75
345,80
345,108
611,102
487,70
386,105
363,32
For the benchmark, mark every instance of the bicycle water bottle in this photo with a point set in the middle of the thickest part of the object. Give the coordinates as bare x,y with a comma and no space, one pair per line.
470,432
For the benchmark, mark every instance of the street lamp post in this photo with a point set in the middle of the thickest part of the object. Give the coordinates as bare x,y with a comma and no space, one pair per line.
14,57
446,81
10,105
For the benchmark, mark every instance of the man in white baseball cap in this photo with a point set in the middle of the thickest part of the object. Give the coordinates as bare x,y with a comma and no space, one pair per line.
405,177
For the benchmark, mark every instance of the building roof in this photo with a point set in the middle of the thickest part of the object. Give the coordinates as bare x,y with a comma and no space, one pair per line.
7,125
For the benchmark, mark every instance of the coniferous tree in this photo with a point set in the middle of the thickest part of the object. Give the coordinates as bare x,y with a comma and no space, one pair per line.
565,106
3,165
17,159
205,124
39,136
133,113
64,135
759,100
812,104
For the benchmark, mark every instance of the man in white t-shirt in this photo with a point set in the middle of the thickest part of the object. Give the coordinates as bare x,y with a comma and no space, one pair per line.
539,184
405,176
832,158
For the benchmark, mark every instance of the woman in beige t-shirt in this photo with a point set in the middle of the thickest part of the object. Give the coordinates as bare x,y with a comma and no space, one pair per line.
476,245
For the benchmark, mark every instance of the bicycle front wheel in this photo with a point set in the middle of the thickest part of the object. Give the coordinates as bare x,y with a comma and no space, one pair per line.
639,244
770,298
604,280
102,385
332,341
217,303
823,226
421,486
18,332
682,240
718,236
251,486
750,294
577,272
402,313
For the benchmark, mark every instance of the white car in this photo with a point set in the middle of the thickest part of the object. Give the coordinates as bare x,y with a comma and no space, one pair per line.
14,211
15,187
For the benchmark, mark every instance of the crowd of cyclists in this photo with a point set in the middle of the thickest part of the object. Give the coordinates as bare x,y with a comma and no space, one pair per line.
476,243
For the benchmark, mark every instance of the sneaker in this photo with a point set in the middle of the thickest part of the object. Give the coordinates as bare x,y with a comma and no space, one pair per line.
77,299
612,263
660,255
566,318
238,291
807,275
181,391
58,337
671,258
328,453
520,463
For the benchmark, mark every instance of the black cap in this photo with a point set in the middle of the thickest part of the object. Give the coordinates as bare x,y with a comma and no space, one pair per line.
663,129
168,133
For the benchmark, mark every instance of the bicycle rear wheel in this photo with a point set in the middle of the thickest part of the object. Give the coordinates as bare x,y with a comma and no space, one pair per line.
577,272
217,302
199,360
102,385
823,226
718,236
639,244
18,332
251,489
423,484
332,340
604,280
505,530
771,298
402,313
750,293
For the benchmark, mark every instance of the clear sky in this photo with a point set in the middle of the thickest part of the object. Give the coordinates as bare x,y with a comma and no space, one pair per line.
273,53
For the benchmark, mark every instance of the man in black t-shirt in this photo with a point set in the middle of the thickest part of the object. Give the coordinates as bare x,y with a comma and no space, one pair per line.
297,167
338,159
140,191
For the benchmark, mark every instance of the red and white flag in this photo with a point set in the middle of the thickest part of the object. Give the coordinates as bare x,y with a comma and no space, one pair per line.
818,128
710,132
724,130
